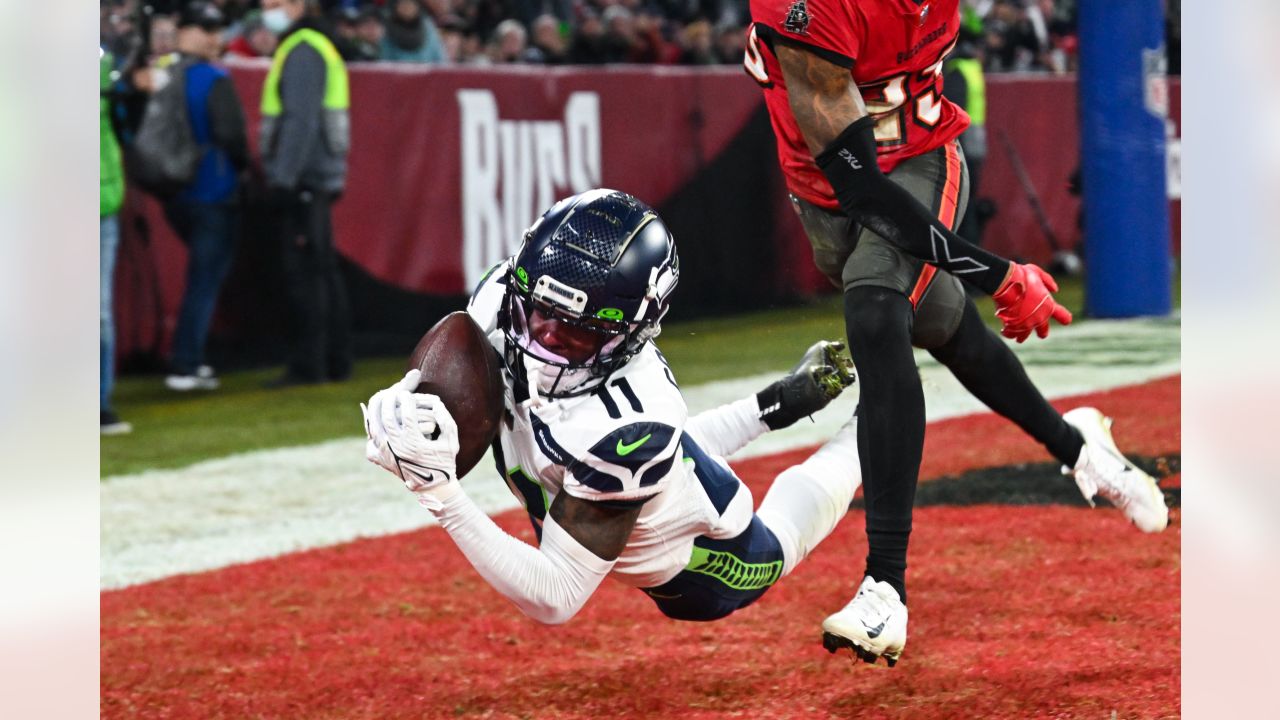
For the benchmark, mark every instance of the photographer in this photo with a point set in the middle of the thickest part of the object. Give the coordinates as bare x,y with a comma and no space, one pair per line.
205,213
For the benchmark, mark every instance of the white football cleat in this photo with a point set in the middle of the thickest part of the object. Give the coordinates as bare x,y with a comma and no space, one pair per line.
203,379
873,624
1102,470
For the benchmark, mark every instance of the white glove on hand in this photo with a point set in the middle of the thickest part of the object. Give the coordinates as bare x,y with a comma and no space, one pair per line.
376,449
413,436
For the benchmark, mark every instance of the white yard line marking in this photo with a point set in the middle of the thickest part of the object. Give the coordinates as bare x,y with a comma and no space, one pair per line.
267,503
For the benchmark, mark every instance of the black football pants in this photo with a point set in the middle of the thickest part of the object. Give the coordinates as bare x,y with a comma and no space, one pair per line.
892,302
319,313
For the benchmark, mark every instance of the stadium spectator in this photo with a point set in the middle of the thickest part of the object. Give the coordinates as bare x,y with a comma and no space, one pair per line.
237,13
483,16
254,40
453,33
731,43
411,35
696,45
588,46
528,11
1028,35
305,137
368,36
548,41
440,10
108,24
510,45
1021,35
472,50
651,44
111,197
206,213
343,19
620,41
236,10
164,35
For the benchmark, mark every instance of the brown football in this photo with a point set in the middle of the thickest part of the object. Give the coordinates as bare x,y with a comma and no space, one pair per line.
460,366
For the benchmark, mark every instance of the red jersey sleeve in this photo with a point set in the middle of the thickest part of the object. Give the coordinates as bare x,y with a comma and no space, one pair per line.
832,29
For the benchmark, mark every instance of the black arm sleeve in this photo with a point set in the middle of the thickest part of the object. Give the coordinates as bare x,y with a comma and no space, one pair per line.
226,122
868,196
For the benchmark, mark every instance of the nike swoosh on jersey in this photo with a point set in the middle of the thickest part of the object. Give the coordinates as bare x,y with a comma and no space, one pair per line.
625,450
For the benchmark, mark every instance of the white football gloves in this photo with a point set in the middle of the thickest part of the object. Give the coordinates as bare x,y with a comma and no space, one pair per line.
413,436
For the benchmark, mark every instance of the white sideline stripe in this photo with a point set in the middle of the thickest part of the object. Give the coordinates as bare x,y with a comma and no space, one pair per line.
263,504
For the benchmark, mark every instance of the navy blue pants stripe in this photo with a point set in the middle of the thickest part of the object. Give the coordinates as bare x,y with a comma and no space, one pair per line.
720,484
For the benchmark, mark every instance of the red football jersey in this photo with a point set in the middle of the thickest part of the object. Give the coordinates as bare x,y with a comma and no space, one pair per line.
894,50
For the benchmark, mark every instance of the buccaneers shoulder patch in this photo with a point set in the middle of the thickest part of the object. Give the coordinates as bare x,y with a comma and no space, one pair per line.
797,18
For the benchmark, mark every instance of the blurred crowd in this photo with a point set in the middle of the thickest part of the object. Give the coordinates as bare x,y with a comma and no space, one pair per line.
1005,35
475,32
1040,35
173,123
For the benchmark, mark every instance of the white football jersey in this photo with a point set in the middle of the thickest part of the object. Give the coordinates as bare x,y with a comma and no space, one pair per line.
624,440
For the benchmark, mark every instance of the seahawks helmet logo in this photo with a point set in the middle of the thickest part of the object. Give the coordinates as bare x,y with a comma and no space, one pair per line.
797,18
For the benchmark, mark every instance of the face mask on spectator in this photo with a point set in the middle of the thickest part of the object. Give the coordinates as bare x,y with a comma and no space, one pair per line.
276,20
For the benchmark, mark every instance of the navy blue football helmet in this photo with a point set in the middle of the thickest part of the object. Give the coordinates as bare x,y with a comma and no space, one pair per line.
599,267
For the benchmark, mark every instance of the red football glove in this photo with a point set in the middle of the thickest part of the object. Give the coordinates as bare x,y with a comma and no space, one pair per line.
1024,303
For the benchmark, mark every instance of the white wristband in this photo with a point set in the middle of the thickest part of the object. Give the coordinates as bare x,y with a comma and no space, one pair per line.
434,498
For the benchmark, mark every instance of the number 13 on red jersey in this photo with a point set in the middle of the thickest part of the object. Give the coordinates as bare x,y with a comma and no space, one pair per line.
889,101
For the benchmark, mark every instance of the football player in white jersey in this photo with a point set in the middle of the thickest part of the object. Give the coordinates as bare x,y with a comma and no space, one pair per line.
596,439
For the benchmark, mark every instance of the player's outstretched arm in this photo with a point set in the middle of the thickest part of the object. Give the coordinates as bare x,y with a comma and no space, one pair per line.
550,583
413,436
841,135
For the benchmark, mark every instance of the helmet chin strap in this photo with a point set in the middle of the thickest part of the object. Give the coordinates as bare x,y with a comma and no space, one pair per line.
533,372
650,294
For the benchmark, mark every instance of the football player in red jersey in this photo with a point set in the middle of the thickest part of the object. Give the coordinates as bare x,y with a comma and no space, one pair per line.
868,146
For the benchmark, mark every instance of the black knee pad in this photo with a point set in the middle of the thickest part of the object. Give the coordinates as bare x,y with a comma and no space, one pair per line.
875,316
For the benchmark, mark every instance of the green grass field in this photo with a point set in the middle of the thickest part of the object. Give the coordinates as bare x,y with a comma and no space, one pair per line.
174,430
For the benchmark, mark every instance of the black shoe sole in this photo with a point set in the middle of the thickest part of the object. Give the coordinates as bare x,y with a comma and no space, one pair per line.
834,643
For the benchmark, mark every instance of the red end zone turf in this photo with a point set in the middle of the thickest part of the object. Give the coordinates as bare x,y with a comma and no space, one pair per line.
1017,612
